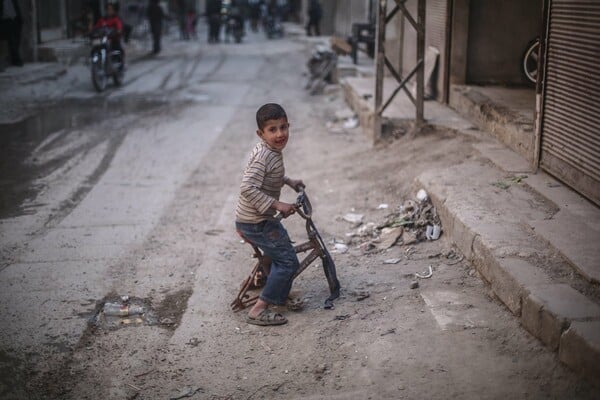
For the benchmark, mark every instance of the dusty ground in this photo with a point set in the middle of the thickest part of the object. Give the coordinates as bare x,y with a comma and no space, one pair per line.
445,339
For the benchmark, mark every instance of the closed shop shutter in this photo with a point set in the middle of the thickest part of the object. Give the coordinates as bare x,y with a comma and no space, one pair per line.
436,22
570,141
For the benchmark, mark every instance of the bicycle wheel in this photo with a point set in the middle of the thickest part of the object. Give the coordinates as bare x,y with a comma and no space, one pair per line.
529,64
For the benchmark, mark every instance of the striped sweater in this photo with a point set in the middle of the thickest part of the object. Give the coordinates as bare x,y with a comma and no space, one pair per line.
261,185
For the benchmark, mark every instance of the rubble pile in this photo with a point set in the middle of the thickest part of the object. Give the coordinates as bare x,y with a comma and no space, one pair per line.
414,221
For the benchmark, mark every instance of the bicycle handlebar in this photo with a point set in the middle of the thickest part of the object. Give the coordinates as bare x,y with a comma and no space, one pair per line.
302,206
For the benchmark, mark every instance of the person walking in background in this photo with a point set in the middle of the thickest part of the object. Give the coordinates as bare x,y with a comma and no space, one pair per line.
155,17
213,15
10,29
315,12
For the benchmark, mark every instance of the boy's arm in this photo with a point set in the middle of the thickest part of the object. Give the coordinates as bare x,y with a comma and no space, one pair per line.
295,184
250,188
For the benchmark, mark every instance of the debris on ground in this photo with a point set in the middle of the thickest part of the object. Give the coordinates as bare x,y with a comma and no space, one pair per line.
340,248
121,311
414,284
425,276
389,237
414,221
355,219
344,119
359,295
392,261
187,391
507,182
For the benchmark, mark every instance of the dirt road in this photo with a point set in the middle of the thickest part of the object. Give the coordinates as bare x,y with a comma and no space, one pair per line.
445,339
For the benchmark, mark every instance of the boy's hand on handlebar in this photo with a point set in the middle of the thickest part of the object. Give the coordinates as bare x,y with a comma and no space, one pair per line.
285,209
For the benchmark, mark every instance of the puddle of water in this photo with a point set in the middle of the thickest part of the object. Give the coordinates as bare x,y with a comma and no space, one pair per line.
51,126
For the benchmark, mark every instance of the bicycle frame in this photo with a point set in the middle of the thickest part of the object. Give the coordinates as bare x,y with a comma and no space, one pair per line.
317,249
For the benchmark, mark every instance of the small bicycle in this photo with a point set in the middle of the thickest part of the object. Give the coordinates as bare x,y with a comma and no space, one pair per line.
317,249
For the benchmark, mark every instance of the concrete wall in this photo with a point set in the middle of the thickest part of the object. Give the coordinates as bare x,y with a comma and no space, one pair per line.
498,35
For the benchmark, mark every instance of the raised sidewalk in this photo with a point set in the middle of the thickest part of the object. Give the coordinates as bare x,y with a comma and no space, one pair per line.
531,238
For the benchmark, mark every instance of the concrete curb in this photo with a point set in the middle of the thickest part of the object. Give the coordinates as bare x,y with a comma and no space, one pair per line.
558,315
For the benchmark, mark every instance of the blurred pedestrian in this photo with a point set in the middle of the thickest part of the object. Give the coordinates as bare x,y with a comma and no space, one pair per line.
155,17
315,12
213,15
11,23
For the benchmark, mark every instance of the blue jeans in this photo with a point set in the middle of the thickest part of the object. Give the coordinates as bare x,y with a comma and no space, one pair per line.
272,238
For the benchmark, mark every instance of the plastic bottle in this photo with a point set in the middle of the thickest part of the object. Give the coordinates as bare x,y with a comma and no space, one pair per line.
121,310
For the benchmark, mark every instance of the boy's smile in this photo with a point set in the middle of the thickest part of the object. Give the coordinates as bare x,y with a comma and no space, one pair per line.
275,133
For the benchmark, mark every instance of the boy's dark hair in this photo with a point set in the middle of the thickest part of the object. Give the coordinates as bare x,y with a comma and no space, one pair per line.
267,112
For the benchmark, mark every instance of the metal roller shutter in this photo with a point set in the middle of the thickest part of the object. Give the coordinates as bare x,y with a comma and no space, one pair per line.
570,141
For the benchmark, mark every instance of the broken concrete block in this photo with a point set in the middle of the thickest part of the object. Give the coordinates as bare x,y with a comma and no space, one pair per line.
580,349
550,309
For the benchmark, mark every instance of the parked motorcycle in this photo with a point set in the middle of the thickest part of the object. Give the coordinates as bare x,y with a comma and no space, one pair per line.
105,61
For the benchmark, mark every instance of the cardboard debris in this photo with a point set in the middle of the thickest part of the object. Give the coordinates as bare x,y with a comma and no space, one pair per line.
389,237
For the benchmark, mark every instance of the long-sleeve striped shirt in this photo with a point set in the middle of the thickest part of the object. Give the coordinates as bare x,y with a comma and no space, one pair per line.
261,185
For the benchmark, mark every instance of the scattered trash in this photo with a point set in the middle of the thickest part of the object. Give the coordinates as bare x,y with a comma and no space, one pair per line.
505,184
353,218
553,184
389,237
392,261
501,185
351,123
341,317
134,387
122,310
409,238
360,295
187,391
422,195
425,276
414,221
414,285
344,114
367,229
433,232
389,331
340,248
454,256
382,206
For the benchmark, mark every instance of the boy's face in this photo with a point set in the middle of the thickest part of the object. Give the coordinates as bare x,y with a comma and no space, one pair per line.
275,132
110,11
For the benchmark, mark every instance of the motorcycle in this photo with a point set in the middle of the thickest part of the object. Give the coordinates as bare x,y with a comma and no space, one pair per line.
105,61
234,28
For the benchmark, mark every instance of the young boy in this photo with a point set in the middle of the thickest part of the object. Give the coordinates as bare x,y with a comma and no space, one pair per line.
263,179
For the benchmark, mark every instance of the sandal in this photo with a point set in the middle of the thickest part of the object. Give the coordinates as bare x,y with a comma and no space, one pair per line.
267,317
